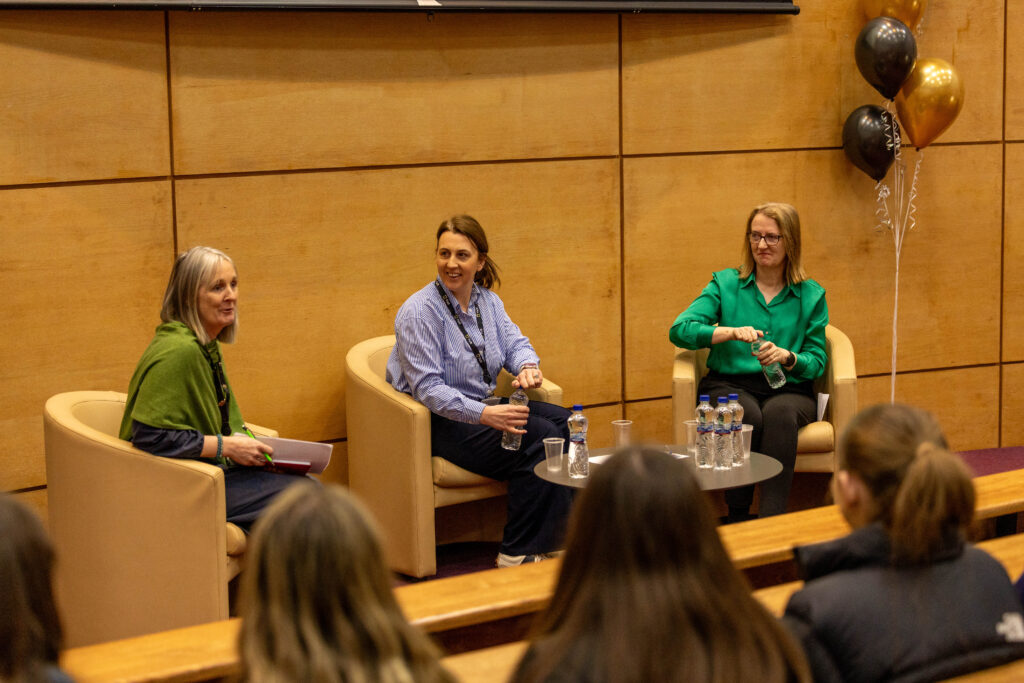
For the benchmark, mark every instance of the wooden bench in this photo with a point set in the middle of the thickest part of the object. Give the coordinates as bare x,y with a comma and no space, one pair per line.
201,652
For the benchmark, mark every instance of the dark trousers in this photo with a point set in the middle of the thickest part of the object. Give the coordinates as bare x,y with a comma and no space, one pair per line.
777,415
537,510
247,490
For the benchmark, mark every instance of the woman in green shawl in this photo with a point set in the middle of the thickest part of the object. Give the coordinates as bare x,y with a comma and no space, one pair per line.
180,403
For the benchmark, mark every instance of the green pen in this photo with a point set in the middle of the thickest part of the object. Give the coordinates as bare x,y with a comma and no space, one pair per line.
267,456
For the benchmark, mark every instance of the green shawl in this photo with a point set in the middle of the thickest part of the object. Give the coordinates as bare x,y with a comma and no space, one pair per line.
173,388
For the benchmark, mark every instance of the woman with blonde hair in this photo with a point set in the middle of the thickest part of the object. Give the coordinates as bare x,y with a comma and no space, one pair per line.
316,601
30,630
180,403
769,297
903,597
647,592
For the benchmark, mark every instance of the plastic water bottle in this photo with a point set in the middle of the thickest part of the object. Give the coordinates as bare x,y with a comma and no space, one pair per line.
705,428
723,435
509,440
737,429
773,372
579,456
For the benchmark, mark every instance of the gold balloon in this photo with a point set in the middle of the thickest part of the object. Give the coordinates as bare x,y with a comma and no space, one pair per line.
907,11
929,101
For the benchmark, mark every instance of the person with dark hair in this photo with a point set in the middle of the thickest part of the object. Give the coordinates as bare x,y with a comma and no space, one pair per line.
647,593
30,630
316,599
180,403
768,297
453,338
903,597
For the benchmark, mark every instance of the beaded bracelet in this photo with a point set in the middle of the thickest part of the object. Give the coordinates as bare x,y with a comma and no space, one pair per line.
220,450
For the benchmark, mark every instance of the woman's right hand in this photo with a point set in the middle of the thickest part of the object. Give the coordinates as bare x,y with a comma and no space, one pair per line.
244,450
744,334
506,418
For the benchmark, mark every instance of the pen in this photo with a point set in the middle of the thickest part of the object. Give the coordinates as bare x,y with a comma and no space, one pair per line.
267,456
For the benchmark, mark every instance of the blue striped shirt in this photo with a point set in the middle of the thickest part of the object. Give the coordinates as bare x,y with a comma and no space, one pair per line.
432,361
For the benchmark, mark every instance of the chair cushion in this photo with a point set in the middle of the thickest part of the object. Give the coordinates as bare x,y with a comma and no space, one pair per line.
817,437
236,541
450,475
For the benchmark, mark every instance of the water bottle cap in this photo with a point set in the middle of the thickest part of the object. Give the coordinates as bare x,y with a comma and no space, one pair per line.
705,397
734,397
722,399
577,406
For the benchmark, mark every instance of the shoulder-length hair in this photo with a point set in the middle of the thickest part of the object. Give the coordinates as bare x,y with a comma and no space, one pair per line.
472,230
316,600
193,269
30,630
921,493
647,592
789,227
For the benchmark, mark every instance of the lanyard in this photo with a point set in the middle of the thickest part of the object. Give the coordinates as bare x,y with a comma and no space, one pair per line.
221,387
481,356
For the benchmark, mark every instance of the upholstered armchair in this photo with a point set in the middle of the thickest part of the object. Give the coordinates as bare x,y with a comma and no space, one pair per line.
390,466
142,542
816,445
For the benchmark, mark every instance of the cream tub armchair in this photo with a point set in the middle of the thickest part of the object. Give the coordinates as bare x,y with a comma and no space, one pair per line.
816,444
142,542
391,469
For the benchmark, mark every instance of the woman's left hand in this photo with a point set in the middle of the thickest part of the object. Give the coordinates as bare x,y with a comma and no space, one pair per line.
770,353
528,378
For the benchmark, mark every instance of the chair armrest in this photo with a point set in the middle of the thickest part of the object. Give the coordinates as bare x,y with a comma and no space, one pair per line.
684,391
261,431
548,391
841,379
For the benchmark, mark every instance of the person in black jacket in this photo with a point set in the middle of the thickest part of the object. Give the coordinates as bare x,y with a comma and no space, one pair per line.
903,597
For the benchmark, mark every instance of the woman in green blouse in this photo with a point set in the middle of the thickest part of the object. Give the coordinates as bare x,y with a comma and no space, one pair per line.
767,297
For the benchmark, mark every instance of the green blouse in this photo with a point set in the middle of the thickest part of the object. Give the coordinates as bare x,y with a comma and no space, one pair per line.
173,388
794,320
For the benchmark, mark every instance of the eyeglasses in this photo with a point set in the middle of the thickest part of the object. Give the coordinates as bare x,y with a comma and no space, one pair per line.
770,240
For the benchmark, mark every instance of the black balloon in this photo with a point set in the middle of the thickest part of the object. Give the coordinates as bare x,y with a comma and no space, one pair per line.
867,139
886,52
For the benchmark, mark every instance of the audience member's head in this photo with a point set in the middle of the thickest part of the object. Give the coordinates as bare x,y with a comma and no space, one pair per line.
893,468
316,600
30,631
648,593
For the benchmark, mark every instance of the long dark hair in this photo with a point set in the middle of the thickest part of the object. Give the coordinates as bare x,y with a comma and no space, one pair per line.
474,232
648,593
922,493
30,630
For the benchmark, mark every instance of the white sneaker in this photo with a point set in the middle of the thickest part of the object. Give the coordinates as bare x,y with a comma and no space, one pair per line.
516,560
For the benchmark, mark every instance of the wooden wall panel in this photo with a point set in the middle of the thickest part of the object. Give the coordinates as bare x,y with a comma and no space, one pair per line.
326,259
1013,405
696,83
1014,71
85,96
652,420
83,270
962,400
290,90
683,220
1013,255
599,423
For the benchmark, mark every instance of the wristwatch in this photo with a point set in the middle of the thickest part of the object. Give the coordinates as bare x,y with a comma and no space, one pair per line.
791,361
